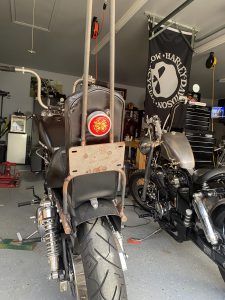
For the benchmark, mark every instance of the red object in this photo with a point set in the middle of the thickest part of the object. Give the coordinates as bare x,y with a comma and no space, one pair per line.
99,123
8,176
133,241
95,28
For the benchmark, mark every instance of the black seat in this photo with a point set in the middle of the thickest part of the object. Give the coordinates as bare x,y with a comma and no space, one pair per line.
203,175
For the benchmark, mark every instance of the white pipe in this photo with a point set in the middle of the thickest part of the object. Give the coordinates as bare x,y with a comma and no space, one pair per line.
112,66
86,70
24,70
78,81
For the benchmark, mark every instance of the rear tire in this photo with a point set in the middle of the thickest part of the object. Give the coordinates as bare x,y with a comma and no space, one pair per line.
102,267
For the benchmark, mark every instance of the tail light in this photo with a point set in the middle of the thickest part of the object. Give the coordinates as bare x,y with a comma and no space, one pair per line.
99,123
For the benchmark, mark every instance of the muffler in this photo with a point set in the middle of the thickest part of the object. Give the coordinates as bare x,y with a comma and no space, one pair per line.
202,213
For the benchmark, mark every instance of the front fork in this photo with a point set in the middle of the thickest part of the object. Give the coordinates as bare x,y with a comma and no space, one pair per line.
119,243
147,174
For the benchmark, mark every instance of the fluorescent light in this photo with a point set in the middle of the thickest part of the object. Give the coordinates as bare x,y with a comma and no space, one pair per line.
210,45
138,4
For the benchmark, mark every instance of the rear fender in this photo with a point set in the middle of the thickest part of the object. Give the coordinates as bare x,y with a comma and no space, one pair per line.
86,212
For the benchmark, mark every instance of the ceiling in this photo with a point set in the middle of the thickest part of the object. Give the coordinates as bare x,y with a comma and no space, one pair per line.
59,47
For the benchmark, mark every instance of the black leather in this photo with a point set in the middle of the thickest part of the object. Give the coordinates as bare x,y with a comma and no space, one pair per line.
56,172
98,99
203,175
101,185
52,132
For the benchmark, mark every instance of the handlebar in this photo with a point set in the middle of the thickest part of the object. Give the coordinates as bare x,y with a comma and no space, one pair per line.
7,68
91,80
182,100
24,70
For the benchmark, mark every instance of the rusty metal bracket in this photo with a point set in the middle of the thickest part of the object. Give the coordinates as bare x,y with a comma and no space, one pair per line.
92,159
65,223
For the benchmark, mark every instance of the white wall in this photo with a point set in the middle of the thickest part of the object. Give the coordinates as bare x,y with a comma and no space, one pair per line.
135,95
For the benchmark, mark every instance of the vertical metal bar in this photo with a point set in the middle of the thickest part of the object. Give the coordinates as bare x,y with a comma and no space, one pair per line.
193,38
112,66
86,70
147,173
1,106
122,204
1,112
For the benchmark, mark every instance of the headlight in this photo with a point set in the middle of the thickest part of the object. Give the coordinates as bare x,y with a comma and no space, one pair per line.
145,145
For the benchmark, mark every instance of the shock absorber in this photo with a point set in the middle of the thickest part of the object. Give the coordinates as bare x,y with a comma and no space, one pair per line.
187,219
50,236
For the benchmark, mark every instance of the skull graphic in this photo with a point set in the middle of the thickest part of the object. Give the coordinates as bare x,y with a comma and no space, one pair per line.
164,80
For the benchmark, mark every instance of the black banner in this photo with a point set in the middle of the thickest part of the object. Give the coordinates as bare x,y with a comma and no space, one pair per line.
168,73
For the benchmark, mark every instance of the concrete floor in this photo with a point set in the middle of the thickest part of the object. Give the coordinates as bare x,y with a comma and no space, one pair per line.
159,268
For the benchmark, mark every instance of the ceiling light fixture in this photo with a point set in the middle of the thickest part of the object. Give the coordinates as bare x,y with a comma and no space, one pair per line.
32,51
138,4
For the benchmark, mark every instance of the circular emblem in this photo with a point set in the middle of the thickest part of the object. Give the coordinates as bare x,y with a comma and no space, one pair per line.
166,79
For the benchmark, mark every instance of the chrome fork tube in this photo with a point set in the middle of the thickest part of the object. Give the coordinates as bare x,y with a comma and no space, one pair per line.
201,211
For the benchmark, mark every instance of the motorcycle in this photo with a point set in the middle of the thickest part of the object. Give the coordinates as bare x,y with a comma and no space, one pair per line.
79,217
188,204
220,154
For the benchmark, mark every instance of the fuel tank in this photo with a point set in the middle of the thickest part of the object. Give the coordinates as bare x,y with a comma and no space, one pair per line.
176,147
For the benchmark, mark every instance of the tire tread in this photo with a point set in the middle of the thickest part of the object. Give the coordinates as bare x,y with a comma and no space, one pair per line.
102,266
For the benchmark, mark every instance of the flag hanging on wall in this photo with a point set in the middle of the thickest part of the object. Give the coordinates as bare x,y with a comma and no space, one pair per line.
168,73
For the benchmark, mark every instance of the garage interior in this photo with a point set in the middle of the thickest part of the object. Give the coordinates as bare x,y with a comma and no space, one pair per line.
48,37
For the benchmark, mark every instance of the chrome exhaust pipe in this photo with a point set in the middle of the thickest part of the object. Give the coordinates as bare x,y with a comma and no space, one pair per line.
201,211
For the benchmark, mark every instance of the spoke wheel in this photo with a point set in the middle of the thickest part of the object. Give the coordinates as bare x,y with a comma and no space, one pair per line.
136,188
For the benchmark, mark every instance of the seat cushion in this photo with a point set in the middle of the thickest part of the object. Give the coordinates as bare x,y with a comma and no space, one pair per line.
52,132
101,185
98,100
203,175
56,171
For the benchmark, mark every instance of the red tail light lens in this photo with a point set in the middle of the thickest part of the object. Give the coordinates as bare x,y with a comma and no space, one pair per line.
99,123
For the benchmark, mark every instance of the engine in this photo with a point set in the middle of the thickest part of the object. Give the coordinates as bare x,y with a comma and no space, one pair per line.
173,185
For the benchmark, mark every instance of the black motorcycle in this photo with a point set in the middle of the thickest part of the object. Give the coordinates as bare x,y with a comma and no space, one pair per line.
79,218
189,204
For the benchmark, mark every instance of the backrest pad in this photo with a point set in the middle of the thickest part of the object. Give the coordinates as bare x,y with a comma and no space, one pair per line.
101,185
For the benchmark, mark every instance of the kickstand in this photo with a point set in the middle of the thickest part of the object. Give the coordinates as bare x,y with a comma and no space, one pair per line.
139,241
28,238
